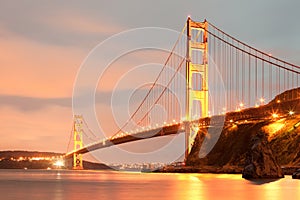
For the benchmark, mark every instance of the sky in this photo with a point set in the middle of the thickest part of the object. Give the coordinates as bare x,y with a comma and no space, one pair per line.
44,43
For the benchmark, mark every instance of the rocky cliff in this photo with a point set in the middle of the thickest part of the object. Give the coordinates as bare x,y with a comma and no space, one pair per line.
260,161
277,124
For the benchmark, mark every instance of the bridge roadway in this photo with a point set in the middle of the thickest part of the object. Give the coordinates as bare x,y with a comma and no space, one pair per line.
157,132
171,129
254,114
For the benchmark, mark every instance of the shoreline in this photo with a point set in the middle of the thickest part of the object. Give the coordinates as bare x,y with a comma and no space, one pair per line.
215,170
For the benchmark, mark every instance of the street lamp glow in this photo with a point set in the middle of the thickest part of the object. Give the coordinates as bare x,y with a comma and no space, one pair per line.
291,112
262,100
59,163
275,115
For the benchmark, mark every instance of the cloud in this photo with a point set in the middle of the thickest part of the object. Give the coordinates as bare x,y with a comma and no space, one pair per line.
26,104
55,24
33,69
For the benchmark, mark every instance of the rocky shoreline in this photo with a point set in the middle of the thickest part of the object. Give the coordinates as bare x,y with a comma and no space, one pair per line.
254,142
296,174
217,170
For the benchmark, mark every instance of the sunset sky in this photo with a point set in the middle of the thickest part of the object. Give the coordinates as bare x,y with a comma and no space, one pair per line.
44,43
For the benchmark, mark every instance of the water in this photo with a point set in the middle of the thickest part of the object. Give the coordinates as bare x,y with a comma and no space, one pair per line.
60,184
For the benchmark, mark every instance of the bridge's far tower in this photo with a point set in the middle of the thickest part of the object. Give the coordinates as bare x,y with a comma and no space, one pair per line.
196,66
78,142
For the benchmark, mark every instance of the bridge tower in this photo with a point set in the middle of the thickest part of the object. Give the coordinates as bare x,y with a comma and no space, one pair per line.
197,47
78,142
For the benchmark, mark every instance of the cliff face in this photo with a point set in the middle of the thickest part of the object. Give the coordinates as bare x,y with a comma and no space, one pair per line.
230,149
260,161
281,132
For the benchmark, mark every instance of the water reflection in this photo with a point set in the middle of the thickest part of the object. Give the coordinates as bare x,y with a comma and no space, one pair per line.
60,185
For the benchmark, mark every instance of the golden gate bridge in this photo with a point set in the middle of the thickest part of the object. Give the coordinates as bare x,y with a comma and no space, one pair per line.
217,75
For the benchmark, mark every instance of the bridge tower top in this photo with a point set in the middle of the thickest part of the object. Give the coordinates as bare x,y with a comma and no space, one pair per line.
197,47
196,71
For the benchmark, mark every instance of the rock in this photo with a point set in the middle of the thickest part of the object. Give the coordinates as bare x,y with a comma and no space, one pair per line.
296,174
260,162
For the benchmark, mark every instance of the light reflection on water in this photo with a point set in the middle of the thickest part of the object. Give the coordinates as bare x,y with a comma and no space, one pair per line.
60,185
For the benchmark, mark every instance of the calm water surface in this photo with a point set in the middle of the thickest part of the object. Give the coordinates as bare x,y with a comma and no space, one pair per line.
60,184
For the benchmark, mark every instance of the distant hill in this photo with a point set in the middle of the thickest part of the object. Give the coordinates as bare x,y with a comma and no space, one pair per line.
17,154
10,160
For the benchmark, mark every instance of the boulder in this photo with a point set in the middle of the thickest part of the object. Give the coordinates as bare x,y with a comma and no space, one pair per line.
296,174
260,161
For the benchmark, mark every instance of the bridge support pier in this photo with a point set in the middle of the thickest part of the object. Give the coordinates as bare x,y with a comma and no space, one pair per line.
188,142
196,44
78,142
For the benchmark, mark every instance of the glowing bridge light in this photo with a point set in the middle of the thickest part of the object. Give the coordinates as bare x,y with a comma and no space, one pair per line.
165,123
59,163
275,115
291,112
256,105
231,121
241,104
278,101
174,120
262,100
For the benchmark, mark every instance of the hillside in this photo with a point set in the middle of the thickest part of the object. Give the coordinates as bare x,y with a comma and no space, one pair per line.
38,160
17,154
279,121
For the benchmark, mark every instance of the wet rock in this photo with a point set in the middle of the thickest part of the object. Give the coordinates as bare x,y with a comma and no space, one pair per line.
260,161
296,175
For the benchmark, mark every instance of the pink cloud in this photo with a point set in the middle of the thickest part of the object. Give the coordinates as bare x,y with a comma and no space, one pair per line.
37,70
